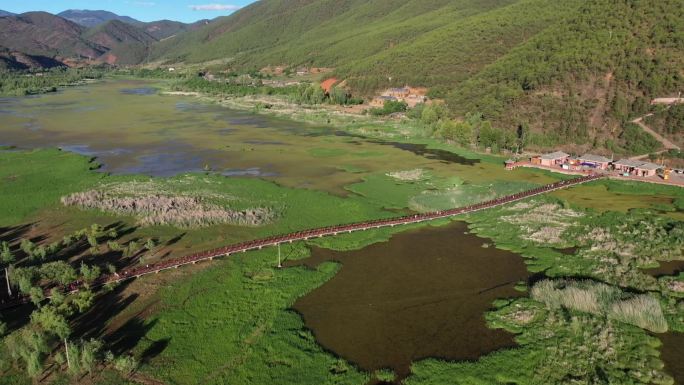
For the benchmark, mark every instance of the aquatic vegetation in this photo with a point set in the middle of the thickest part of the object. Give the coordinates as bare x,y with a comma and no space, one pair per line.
600,299
540,222
557,346
180,211
407,175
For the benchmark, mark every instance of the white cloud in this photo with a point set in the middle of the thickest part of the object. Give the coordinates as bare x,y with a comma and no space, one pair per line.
215,7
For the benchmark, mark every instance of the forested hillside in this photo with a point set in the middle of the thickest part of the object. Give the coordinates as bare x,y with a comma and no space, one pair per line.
125,43
43,34
583,78
571,71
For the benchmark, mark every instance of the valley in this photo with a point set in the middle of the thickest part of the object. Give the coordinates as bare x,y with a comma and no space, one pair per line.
342,193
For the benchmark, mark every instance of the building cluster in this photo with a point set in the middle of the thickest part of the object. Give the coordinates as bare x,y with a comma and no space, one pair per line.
626,167
409,95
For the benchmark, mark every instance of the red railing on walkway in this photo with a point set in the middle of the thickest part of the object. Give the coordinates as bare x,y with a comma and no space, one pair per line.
314,233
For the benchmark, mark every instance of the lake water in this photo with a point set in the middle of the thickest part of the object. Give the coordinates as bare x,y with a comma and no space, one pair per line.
422,294
131,128
672,353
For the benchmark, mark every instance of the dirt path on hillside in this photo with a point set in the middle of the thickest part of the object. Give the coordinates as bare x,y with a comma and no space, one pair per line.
667,144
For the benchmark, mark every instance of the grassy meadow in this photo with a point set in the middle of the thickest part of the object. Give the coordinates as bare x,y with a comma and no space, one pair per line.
230,321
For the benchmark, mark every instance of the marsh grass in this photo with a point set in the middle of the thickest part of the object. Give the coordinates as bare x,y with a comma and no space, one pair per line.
642,310
555,347
385,375
176,210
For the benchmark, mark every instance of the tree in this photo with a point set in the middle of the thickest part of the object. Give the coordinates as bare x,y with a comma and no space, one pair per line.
7,258
56,297
6,255
89,273
23,277
68,240
30,346
89,354
433,113
523,136
52,321
150,244
59,271
83,300
339,96
37,295
27,246
39,253
124,364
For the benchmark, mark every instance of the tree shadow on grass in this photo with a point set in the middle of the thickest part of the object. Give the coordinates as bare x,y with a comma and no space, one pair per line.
93,323
175,239
14,233
96,322
129,335
155,348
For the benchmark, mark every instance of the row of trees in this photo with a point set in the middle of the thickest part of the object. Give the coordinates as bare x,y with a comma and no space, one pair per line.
313,94
48,337
20,83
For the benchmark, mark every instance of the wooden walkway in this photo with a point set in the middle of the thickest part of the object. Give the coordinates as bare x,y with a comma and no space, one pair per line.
314,233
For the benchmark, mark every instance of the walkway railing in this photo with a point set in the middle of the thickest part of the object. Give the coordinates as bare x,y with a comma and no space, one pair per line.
316,233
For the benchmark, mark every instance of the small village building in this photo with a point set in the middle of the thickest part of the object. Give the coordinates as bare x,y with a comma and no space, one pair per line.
510,164
647,169
399,93
636,167
553,159
626,166
594,161
379,101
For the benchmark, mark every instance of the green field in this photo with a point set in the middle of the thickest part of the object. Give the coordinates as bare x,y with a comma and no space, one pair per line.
230,321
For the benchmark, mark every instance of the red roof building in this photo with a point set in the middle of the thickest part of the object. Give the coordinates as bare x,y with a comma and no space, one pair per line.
328,84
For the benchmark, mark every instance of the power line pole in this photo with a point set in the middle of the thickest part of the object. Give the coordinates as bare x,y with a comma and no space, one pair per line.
9,288
280,265
66,349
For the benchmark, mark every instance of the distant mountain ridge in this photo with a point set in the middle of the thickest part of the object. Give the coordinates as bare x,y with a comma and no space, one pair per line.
41,39
44,34
88,18
5,13
47,36
160,29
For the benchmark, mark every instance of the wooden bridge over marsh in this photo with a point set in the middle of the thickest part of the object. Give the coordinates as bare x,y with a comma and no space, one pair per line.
258,244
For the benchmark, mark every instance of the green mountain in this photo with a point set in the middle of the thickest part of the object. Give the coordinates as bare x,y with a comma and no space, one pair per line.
573,70
125,44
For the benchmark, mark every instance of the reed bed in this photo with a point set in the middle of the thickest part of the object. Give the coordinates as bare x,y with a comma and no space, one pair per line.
642,310
175,210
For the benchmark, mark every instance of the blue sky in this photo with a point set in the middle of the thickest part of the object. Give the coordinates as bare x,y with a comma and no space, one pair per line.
144,10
